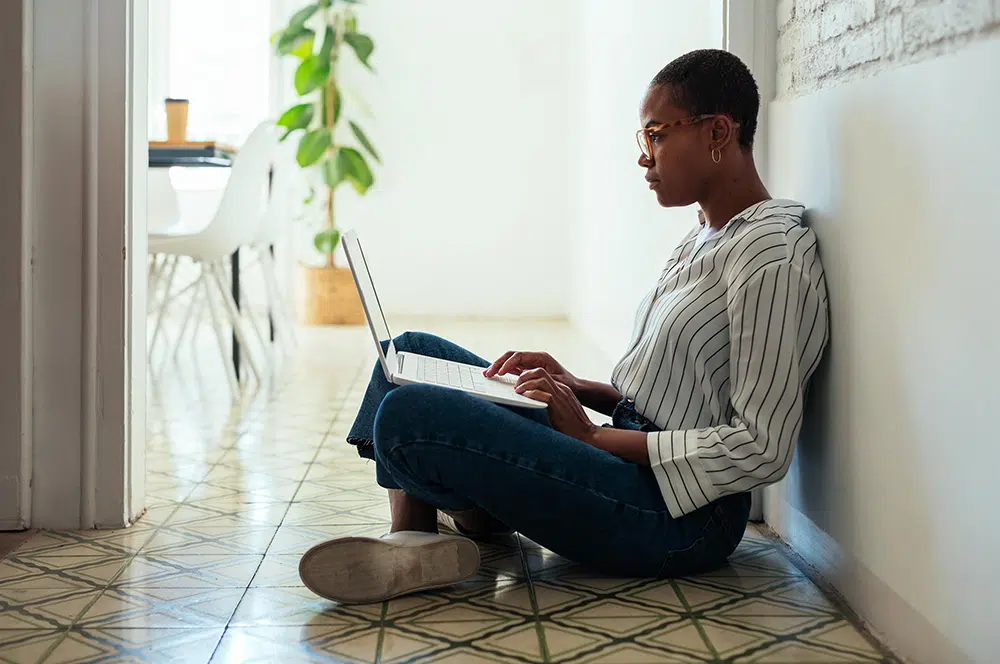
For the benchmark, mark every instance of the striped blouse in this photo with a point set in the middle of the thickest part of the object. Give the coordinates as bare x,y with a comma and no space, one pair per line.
722,350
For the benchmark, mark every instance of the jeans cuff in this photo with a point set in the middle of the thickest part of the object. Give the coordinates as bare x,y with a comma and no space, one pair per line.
365,447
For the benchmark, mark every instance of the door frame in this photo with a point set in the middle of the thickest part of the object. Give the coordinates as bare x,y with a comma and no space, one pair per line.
82,313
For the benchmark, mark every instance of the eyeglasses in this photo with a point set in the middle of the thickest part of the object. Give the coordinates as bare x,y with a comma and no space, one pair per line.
645,135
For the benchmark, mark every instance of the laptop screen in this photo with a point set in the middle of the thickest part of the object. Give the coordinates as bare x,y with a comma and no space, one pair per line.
369,298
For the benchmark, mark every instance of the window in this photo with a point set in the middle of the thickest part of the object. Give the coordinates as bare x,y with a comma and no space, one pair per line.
217,54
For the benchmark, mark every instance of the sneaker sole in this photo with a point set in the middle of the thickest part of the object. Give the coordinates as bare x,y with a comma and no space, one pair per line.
363,570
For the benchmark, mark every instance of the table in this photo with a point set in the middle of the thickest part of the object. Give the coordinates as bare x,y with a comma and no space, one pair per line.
205,154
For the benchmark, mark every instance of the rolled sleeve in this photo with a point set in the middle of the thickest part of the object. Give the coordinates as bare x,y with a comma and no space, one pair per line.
685,485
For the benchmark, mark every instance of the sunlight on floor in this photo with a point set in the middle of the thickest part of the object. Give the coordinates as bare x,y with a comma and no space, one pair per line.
238,491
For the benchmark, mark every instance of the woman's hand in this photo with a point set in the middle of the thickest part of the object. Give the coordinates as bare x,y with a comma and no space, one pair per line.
566,413
518,362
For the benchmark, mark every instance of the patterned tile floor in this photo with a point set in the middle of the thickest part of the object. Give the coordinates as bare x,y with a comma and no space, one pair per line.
237,491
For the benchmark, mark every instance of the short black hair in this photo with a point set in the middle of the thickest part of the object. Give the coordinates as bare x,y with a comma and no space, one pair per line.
713,81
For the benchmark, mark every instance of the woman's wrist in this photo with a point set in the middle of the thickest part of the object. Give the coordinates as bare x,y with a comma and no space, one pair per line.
601,397
623,443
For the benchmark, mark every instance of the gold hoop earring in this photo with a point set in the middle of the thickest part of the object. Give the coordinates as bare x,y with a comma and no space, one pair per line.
717,155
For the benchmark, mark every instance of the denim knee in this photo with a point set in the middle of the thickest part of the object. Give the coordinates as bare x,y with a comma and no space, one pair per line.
409,341
401,413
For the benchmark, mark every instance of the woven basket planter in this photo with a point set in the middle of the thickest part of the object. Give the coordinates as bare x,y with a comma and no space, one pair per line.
330,297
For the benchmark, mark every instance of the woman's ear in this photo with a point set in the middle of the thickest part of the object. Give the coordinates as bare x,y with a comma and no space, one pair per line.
723,131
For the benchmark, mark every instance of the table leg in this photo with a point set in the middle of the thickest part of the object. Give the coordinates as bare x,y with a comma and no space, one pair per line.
235,261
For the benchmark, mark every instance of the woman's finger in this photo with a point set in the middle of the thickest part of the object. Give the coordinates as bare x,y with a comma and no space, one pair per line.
538,395
531,374
537,379
512,365
499,362
533,384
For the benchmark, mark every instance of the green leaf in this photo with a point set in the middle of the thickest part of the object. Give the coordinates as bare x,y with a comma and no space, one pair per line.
365,143
311,197
304,48
337,106
362,45
352,163
312,147
291,39
326,241
300,17
311,74
325,3
351,23
297,117
327,48
332,173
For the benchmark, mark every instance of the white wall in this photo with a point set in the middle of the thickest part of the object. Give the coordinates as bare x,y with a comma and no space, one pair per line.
508,136
621,236
893,491
470,212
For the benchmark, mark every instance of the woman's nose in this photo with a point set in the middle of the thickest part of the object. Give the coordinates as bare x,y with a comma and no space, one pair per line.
645,161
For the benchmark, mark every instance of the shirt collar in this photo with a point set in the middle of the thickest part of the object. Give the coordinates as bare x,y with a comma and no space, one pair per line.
761,210
770,207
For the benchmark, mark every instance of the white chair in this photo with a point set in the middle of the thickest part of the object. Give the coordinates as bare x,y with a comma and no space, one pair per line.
236,223
163,212
283,209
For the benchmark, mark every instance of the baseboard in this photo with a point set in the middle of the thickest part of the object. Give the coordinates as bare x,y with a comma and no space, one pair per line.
12,525
887,615
10,504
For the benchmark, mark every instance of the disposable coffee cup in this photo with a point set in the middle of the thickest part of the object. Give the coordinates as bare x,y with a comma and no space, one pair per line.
177,119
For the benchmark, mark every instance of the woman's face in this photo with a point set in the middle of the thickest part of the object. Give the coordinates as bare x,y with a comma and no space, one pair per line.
681,159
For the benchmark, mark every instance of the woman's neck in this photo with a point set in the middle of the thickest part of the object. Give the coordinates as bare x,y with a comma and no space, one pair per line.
736,192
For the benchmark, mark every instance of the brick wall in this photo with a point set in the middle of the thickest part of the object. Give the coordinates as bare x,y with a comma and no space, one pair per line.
825,42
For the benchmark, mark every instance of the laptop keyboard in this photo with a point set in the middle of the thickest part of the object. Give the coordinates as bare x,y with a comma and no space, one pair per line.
461,376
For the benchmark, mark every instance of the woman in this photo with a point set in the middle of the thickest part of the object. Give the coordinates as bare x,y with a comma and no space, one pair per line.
706,401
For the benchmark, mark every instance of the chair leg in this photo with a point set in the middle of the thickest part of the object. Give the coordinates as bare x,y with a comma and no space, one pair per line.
196,318
153,286
234,318
189,313
162,309
282,319
151,276
255,324
220,337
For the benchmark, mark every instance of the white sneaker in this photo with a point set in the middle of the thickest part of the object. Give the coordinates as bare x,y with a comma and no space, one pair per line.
361,570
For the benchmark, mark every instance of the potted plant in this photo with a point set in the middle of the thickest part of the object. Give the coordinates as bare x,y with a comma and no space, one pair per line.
332,147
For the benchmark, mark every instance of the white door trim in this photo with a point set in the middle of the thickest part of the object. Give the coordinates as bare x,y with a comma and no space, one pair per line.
88,291
751,33
112,284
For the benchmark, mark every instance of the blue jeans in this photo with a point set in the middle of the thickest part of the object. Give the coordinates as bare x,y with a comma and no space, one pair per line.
456,451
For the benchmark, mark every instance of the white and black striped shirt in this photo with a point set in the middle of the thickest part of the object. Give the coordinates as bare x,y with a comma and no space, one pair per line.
721,353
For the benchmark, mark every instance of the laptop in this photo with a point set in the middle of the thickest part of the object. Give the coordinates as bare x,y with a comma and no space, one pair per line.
403,368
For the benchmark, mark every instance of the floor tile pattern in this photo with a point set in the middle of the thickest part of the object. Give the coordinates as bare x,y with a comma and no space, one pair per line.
238,490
